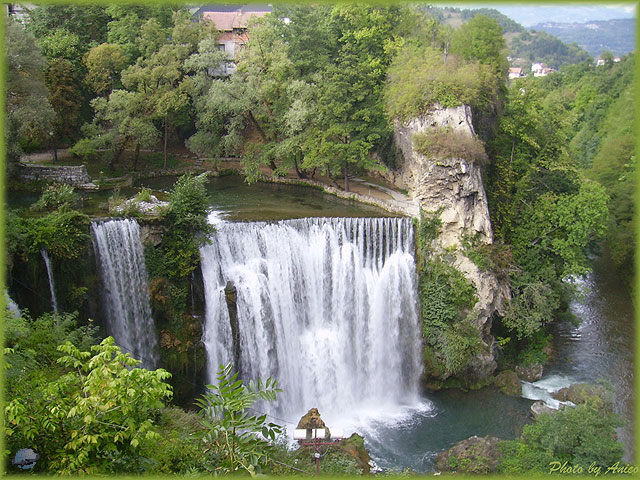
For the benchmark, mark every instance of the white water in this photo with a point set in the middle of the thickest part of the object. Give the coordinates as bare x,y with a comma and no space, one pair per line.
125,297
11,306
328,307
52,288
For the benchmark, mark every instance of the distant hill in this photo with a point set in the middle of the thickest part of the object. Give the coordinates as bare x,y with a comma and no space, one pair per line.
616,36
524,47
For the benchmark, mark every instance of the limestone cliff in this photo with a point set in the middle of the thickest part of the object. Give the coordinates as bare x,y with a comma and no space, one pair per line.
454,186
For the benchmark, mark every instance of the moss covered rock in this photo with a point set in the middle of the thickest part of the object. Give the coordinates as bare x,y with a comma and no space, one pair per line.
508,383
473,455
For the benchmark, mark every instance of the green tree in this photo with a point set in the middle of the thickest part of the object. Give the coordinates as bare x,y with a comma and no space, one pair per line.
229,429
87,22
66,97
481,39
582,435
350,121
29,115
95,416
104,63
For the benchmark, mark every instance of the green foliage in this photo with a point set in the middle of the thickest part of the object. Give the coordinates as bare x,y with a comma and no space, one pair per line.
446,143
104,64
539,46
532,307
446,299
144,195
178,450
55,196
29,115
423,76
63,233
98,411
583,435
481,39
230,432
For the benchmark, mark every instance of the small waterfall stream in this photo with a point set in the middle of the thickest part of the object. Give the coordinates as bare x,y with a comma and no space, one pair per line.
328,307
123,274
52,288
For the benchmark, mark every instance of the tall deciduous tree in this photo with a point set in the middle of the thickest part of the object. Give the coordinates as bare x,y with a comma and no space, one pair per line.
104,64
351,120
29,115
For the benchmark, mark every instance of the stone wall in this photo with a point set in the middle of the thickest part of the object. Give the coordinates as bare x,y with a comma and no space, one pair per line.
71,175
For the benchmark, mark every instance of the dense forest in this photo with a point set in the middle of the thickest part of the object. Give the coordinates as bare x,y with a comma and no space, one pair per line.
319,93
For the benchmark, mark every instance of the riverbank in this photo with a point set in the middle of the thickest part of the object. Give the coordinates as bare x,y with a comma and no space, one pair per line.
369,191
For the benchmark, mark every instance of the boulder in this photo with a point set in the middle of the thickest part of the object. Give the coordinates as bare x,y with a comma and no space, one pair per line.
539,407
532,373
582,393
473,455
508,383
354,446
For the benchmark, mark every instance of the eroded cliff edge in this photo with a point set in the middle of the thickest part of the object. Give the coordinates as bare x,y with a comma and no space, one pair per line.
451,187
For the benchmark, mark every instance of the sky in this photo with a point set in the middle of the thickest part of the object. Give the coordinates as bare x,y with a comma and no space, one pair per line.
532,14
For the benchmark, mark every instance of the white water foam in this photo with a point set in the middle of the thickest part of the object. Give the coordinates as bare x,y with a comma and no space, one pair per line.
542,389
125,298
326,306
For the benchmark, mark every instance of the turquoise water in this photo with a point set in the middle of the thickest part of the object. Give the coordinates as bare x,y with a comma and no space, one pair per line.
271,201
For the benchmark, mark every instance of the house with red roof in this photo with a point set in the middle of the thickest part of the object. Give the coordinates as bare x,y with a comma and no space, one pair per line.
232,21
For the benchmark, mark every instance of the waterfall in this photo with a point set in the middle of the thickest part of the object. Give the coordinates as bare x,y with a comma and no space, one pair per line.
328,307
52,288
125,297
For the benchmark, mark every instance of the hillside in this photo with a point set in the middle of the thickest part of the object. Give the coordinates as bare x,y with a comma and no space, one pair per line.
616,36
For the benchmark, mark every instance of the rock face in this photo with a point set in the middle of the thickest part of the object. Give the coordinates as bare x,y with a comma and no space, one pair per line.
473,455
454,186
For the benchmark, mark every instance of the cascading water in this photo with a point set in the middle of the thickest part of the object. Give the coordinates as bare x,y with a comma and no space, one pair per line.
124,277
52,288
328,307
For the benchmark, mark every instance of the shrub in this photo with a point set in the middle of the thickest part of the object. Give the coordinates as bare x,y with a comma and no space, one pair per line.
64,234
144,195
54,196
421,77
187,225
581,436
446,143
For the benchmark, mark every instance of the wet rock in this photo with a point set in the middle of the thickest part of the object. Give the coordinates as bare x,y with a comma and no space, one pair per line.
532,373
354,446
508,383
581,393
473,455
539,407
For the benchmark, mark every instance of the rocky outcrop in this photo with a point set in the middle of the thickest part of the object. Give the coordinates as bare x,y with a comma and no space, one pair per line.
508,383
473,455
312,420
583,393
354,446
453,187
